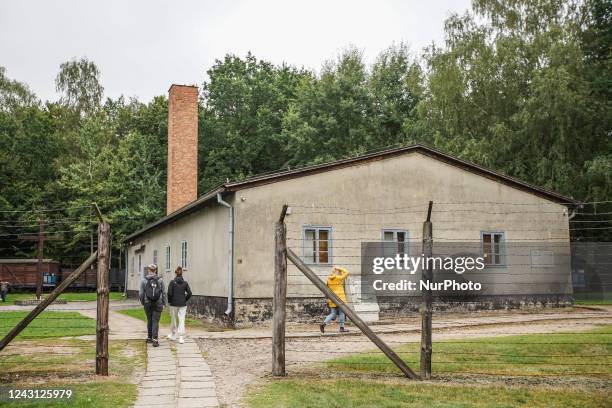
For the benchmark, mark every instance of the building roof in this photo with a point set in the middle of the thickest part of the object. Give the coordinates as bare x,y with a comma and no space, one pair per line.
25,261
233,186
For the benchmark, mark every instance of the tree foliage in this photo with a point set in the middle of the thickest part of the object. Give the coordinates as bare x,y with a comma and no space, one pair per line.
520,86
79,83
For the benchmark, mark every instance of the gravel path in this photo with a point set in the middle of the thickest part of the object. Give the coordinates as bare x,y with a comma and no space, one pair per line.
243,357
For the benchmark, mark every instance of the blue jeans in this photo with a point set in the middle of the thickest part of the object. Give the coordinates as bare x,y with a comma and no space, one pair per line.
332,316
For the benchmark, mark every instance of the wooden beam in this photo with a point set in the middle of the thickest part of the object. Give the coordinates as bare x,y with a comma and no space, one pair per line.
283,213
47,301
98,212
102,299
280,297
365,329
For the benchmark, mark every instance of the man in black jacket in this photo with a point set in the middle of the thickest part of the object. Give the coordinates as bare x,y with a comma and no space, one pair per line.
178,295
153,297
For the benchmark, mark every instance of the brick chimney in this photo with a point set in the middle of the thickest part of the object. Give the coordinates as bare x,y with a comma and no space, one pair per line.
182,186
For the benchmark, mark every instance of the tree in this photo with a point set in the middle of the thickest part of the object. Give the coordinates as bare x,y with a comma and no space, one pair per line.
396,86
14,94
244,103
79,83
509,91
331,115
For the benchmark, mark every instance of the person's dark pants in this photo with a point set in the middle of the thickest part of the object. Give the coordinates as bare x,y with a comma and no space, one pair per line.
3,295
153,312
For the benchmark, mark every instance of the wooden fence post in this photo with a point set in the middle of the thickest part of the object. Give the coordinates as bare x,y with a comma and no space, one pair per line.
102,298
365,329
280,296
427,299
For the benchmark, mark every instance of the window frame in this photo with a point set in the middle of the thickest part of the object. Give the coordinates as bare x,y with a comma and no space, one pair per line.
502,247
184,254
317,229
395,231
155,258
168,254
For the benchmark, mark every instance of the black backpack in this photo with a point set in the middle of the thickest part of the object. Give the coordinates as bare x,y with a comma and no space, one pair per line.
153,289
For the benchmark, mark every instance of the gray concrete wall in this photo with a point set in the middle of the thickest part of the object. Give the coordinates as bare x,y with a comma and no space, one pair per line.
206,233
405,183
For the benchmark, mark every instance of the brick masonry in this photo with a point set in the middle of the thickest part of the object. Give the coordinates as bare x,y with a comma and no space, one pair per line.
182,186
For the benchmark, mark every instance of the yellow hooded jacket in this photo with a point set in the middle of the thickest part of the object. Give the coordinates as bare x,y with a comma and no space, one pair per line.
336,284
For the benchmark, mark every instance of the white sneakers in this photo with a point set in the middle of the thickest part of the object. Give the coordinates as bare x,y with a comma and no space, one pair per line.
172,337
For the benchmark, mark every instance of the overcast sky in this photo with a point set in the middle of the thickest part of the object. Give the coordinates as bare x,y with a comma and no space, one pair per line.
141,47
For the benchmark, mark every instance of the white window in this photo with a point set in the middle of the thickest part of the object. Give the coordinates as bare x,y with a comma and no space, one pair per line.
316,245
492,247
400,237
155,257
168,258
184,254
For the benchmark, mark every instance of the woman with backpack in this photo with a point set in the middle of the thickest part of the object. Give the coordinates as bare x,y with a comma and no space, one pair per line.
178,295
153,297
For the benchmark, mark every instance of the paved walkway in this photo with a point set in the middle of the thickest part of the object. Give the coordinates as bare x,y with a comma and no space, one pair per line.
177,376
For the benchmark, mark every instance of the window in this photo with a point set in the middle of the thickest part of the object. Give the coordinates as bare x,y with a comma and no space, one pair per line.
184,254
395,235
168,259
140,271
317,245
155,257
492,247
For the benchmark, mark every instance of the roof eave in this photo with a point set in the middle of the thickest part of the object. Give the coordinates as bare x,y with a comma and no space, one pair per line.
183,211
305,171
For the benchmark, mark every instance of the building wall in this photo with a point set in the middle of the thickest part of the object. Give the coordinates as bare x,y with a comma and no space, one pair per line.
351,201
206,233
405,183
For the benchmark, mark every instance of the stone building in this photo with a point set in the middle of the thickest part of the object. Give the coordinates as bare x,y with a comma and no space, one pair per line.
225,237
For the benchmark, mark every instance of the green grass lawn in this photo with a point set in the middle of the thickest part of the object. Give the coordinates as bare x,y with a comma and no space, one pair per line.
342,393
593,302
48,324
562,356
69,296
70,363
102,394
588,353
138,313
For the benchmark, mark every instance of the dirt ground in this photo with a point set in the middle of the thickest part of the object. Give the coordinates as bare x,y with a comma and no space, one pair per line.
243,357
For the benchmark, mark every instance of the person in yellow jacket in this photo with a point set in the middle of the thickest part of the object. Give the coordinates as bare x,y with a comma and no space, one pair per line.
335,281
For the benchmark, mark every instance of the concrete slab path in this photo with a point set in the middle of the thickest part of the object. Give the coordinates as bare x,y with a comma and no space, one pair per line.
177,376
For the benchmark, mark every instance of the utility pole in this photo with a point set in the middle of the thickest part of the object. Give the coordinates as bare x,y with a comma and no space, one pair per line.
40,238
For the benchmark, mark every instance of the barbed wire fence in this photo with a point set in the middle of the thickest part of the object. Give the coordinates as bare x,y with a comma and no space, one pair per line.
27,355
326,236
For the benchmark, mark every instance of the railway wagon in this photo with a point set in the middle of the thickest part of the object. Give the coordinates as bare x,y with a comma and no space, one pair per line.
85,282
88,280
21,273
